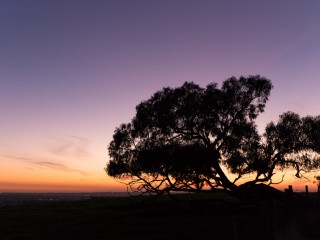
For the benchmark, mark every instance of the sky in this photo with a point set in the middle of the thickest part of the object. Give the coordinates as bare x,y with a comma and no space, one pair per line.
71,71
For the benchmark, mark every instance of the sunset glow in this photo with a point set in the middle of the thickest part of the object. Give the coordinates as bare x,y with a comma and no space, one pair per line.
72,71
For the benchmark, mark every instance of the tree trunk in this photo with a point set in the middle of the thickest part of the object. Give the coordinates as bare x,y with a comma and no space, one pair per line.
224,180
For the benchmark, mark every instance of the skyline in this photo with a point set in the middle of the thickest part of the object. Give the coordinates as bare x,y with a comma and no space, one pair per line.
73,71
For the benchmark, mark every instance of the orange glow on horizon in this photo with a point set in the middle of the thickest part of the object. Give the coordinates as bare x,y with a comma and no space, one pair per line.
56,187
22,178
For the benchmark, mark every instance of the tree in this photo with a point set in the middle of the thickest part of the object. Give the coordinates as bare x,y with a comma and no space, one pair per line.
191,138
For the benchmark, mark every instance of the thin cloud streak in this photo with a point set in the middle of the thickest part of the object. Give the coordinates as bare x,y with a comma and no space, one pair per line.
40,163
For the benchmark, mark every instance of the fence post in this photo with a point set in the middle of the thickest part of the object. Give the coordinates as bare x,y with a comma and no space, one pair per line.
235,228
307,192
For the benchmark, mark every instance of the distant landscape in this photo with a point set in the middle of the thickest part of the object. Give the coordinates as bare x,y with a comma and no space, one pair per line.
9,198
16,198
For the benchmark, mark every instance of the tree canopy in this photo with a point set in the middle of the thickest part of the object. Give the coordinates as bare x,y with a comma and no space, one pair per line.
191,138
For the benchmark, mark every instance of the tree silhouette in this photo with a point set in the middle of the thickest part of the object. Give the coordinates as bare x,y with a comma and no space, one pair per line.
191,138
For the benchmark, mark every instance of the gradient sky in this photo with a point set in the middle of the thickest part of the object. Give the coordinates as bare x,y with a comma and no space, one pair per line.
71,71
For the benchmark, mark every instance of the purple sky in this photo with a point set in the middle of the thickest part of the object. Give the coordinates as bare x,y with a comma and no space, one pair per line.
72,71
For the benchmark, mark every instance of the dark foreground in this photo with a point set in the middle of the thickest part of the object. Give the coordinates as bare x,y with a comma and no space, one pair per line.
204,216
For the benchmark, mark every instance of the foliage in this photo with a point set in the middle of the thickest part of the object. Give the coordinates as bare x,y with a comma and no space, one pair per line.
186,138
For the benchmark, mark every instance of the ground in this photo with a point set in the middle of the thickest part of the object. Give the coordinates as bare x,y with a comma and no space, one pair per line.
188,216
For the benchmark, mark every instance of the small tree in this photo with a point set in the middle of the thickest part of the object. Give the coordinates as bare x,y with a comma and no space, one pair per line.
186,138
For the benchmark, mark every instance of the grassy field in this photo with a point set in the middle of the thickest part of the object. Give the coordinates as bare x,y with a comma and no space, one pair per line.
196,216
